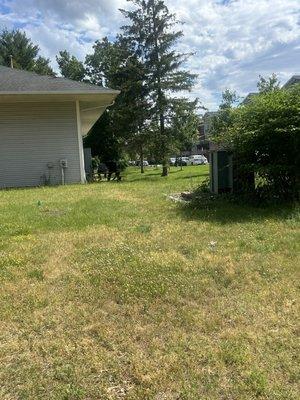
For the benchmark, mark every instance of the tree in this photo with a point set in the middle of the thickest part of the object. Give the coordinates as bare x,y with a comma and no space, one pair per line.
17,48
264,135
151,32
70,67
102,139
116,65
104,63
42,66
229,99
183,126
269,84
221,122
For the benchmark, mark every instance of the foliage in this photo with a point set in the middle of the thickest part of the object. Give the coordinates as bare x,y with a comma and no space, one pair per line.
25,54
115,64
229,99
222,121
42,66
183,122
70,67
151,31
102,140
269,84
265,137
95,162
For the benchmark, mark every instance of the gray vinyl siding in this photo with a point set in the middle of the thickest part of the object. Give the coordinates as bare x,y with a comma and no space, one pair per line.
33,135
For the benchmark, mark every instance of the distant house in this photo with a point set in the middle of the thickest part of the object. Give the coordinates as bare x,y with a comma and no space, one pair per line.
42,122
202,144
249,97
292,81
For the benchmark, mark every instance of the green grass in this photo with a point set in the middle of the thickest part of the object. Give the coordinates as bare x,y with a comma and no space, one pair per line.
112,291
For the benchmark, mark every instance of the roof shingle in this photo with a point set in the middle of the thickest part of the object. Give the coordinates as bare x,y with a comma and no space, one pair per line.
18,81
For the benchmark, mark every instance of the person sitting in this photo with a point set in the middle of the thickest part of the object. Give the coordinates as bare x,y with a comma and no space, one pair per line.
102,169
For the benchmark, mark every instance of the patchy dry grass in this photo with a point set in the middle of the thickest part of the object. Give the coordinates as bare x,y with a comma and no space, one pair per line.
110,291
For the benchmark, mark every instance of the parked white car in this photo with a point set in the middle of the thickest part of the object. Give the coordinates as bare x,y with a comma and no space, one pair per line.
197,159
182,161
145,163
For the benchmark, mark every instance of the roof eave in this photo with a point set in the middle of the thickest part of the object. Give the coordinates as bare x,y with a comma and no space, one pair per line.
71,92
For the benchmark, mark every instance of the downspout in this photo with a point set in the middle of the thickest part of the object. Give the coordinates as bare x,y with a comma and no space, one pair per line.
80,144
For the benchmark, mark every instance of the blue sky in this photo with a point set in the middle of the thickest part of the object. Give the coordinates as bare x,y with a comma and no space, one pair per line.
234,40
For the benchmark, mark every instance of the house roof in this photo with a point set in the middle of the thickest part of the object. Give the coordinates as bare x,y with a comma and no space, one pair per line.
249,97
22,86
294,79
16,81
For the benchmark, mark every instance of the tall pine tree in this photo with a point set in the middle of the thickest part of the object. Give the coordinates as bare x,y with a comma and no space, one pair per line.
70,67
18,49
152,32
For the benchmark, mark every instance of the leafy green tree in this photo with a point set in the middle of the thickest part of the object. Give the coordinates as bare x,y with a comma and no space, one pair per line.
115,64
223,119
269,84
183,127
264,135
17,48
151,31
103,142
139,145
229,99
70,67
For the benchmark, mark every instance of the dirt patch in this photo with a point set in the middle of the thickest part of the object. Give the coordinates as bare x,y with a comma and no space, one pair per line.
182,197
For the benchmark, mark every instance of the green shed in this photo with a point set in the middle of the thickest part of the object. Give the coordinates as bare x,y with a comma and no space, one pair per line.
228,175
221,172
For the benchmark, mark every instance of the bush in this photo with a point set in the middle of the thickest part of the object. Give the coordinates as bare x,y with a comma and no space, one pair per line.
264,135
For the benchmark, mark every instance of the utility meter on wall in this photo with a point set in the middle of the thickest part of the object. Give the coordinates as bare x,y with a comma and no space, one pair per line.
63,163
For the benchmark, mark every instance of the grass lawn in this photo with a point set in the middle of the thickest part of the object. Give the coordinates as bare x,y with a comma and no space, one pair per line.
112,291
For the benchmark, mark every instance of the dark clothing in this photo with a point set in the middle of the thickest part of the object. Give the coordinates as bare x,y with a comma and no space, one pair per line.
113,168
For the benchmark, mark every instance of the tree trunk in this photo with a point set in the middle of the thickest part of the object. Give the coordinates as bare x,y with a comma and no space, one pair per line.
164,169
160,99
142,160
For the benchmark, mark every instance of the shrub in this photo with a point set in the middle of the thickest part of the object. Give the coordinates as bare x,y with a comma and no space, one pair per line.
264,135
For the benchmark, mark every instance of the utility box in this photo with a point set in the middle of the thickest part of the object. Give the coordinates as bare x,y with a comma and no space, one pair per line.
221,172
87,160
229,175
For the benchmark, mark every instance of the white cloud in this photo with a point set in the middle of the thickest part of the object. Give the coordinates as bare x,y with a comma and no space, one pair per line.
234,41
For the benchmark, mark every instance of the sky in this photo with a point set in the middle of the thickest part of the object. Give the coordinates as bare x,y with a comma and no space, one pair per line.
234,41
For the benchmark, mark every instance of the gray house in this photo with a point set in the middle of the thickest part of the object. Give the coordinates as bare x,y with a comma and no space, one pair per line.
42,122
295,79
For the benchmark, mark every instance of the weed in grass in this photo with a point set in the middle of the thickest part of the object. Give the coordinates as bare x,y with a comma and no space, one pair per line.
36,274
144,228
257,383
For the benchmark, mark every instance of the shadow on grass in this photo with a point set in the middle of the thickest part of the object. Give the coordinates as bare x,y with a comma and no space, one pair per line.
223,211
206,174
152,176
